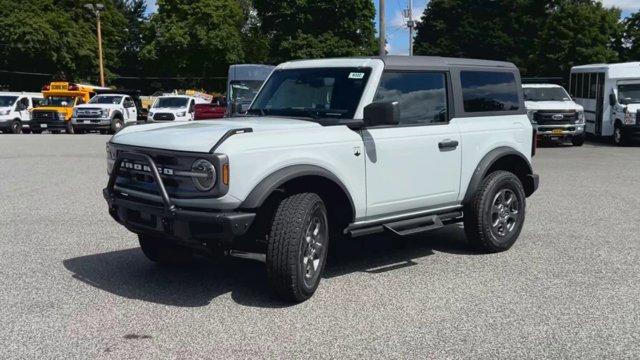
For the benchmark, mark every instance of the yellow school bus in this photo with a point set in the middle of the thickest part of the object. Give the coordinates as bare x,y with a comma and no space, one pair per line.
57,109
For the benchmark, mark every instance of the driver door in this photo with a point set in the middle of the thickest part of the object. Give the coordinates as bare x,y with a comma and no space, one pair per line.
414,165
130,109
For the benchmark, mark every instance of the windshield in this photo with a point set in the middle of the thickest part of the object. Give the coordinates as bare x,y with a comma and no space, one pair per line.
106,99
546,94
59,101
315,93
629,93
244,91
7,100
171,102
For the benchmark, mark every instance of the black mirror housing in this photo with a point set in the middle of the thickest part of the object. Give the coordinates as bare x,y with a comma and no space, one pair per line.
382,113
612,99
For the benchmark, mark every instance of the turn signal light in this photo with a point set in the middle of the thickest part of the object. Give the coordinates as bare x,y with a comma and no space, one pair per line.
73,87
225,174
46,88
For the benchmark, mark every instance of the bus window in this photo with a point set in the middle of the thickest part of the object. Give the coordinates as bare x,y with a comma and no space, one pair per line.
585,86
593,86
579,80
572,86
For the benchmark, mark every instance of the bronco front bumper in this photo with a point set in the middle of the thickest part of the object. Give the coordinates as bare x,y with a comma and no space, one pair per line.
192,227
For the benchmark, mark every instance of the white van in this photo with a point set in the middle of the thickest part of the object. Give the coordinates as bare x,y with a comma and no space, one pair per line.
15,108
610,95
173,108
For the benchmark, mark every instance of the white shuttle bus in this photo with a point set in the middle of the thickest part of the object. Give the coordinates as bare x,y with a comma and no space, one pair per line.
610,95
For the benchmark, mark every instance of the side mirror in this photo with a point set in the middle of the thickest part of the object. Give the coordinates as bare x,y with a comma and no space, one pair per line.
612,99
382,113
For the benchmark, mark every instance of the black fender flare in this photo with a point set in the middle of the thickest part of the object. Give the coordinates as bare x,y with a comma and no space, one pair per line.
269,184
485,164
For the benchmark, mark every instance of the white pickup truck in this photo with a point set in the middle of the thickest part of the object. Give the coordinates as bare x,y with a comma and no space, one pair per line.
105,112
553,113
332,149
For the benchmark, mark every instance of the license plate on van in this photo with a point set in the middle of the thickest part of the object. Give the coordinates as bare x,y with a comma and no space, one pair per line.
557,131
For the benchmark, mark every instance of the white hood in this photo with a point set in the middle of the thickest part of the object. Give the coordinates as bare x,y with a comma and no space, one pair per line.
552,105
172,110
200,136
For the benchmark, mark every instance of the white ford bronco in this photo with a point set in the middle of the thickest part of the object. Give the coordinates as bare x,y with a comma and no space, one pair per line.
332,149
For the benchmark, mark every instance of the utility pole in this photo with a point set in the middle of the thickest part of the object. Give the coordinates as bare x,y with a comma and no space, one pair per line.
383,36
96,9
410,24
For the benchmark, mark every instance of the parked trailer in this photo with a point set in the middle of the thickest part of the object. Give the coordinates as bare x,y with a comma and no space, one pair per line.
610,95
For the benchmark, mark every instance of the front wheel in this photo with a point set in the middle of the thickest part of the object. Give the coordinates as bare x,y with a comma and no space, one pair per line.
618,136
297,247
16,127
577,140
494,218
116,125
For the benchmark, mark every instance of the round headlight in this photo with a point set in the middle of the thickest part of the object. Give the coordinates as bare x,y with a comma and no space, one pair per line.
204,177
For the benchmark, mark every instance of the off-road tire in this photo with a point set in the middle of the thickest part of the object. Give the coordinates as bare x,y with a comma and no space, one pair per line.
578,140
478,214
163,252
116,124
288,246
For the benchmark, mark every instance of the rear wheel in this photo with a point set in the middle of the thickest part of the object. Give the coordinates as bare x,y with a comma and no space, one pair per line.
494,218
164,252
297,247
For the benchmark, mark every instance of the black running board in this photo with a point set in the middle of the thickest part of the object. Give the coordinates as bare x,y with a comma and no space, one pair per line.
411,226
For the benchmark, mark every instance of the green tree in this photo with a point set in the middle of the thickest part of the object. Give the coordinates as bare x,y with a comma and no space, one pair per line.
298,29
577,33
485,29
631,40
542,37
194,38
58,36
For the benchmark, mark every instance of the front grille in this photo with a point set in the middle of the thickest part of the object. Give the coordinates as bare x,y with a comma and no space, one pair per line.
164,117
558,117
45,116
88,113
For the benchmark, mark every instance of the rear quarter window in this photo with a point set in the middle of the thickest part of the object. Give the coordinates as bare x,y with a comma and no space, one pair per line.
489,91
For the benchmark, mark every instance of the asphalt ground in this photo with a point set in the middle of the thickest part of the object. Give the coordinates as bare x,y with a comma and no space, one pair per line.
74,284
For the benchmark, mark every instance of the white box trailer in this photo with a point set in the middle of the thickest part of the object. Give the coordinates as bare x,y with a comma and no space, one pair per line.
610,95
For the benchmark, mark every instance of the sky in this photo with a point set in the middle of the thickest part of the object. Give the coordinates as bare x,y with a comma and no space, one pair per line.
398,34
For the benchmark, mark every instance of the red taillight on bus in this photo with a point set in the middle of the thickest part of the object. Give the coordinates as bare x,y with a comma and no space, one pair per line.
534,142
73,87
46,88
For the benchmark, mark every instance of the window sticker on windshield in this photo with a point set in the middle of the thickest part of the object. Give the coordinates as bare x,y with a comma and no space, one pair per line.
356,75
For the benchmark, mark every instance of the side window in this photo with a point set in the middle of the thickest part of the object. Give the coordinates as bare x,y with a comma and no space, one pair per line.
422,96
486,91
585,86
579,80
22,104
593,86
38,102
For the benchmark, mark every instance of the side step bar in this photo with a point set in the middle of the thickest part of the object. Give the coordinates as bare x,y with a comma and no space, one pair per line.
411,226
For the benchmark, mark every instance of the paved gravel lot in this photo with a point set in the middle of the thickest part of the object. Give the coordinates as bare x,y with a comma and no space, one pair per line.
73,284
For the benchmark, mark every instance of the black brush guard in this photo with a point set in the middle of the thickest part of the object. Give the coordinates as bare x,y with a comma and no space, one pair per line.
174,222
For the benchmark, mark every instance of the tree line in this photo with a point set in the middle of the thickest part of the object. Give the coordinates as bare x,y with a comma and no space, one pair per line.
193,42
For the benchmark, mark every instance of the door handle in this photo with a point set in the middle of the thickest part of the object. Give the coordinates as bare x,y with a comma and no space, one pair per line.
447,145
